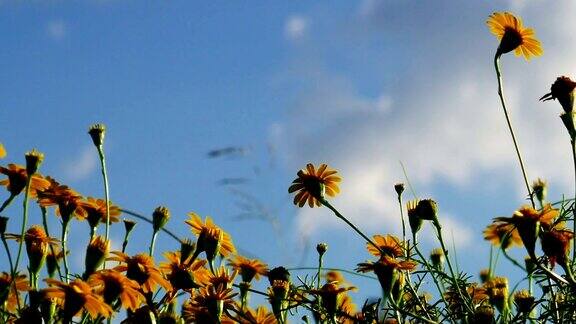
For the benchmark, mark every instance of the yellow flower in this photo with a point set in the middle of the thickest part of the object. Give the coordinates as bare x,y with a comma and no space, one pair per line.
96,211
249,268
211,238
311,185
210,304
502,233
9,297
259,316
141,268
513,36
65,199
388,245
181,274
75,297
113,285
2,151
17,178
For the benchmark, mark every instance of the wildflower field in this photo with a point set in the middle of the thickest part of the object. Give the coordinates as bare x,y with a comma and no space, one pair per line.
206,277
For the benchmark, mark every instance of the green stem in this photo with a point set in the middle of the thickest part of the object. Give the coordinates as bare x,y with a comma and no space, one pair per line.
334,269
337,213
503,101
403,227
12,271
153,243
7,202
452,274
64,237
106,191
514,262
45,223
24,221
573,142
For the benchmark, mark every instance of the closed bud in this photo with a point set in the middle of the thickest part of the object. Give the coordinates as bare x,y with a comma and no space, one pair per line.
540,189
427,209
413,217
95,254
278,273
399,187
160,217
437,257
33,161
129,226
321,248
97,133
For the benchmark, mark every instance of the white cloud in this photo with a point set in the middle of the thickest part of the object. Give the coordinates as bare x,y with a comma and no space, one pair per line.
83,166
57,29
295,27
444,119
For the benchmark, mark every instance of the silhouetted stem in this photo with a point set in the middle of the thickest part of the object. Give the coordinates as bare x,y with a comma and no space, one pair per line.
24,221
7,202
106,191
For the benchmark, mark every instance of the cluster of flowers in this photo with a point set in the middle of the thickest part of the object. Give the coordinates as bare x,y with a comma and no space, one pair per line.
204,271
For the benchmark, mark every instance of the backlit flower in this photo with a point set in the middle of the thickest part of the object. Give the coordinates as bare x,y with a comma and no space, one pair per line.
113,285
220,278
9,297
17,178
65,199
210,304
2,151
259,316
37,245
181,274
502,234
141,268
389,245
211,239
96,211
331,295
312,184
387,269
556,245
75,297
513,36
563,90
249,268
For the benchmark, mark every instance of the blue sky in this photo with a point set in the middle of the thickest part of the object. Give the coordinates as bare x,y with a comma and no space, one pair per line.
358,85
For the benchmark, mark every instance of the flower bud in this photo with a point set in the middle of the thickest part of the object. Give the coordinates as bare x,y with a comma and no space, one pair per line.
484,275
413,217
160,217
427,209
399,187
437,258
95,255
524,301
97,133
321,248
563,90
540,189
129,226
278,273
33,161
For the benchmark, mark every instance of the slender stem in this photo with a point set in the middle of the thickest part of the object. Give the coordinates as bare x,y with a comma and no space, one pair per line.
64,239
106,191
24,221
7,202
573,142
45,223
490,262
334,269
503,101
415,294
403,226
516,263
152,243
452,275
12,271
337,213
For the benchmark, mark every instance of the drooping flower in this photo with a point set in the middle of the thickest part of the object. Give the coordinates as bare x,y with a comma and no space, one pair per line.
249,268
113,285
513,36
312,184
17,179
141,268
75,297
556,245
388,271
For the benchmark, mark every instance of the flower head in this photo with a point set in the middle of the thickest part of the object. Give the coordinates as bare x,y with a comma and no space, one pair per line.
2,151
160,217
556,245
113,285
96,211
141,268
211,238
181,274
249,268
312,184
9,292
502,234
97,133
17,179
37,245
388,245
33,160
332,296
75,297
211,301
563,90
524,301
65,199
96,252
513,36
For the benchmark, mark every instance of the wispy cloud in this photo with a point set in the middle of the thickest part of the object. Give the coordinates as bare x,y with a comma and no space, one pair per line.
295,27
83,165
56,29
